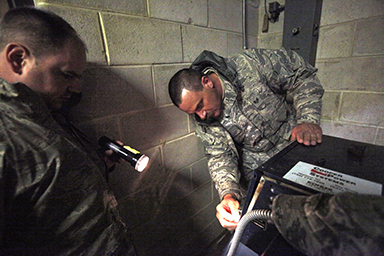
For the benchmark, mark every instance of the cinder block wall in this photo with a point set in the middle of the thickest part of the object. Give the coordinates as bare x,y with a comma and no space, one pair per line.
134,47
350,59
3,8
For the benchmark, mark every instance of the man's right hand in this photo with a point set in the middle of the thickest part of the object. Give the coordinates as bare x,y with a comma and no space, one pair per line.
228,212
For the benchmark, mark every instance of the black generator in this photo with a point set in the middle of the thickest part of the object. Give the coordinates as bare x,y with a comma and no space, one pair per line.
336,165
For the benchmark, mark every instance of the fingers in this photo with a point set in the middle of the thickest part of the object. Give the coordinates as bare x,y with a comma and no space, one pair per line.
319,135
306,133
228,213
226,224
309,138
313,135
315,138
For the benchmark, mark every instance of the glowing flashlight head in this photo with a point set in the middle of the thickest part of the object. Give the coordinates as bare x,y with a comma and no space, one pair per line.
142,163
134,157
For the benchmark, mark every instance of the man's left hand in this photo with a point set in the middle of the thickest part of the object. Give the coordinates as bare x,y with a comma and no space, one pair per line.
111,158
307,133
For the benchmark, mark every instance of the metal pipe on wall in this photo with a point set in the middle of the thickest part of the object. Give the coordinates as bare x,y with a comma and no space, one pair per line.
244,28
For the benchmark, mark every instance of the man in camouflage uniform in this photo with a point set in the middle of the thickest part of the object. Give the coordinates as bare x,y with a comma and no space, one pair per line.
54,197
248,108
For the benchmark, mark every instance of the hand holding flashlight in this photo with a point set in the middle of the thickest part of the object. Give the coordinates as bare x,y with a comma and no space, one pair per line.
134,157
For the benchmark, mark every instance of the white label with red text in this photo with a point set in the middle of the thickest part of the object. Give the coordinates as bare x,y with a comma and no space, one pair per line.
328,181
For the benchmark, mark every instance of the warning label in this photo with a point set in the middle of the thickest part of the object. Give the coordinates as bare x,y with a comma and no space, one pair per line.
328,181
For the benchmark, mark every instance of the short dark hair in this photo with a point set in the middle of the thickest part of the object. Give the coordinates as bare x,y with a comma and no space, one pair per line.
186,78
42,31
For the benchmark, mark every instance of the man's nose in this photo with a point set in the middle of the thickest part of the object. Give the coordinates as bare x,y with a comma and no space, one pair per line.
202,114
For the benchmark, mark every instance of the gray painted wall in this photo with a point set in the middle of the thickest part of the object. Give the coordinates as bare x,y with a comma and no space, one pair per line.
350,59
3,7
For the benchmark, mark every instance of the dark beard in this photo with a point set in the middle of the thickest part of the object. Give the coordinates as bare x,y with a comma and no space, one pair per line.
211,119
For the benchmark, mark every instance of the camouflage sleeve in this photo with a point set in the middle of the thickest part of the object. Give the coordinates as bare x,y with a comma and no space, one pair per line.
343,224
287,72
222,159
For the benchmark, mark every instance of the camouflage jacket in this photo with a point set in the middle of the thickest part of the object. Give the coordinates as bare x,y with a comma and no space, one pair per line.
274,91
54,199
326,225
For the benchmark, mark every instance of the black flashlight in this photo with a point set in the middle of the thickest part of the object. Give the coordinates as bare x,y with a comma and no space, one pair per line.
133,156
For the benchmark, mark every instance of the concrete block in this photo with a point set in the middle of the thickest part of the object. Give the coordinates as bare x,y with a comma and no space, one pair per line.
335,41
138,194
177,213
140,41
331,104
364,108
191,124
166,232
162,75
180,211
338,11
131,185
112,91
200,173
184,11
169,231
137,7
146,238
380,137
86,23
174,227
204,238
204,221
349,131
182,152
209,212
369,37
226,15
363,74
270,41
99,127
214,229
205,214
153,127
195,40
4,7
180,186
200,197
189,231
188,243
235,44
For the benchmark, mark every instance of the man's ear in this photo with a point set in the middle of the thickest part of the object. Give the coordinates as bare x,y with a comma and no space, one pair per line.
206,82
17,55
